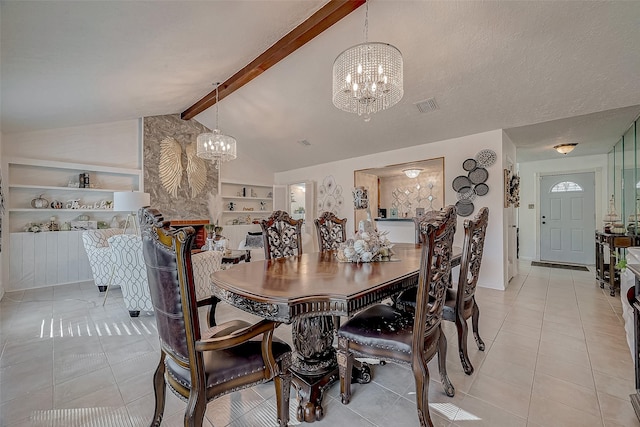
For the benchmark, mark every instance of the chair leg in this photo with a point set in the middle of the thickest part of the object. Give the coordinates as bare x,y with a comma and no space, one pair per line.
345,366
422,378
442,364
461,325
159,389
194,414
282,383
474,322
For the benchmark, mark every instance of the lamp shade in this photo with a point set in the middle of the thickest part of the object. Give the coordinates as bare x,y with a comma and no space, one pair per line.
130,201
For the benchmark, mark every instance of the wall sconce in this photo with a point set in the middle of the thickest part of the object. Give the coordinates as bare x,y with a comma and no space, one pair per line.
565,148
412,173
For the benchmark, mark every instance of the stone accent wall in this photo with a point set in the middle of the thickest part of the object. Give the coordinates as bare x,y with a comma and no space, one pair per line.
156,128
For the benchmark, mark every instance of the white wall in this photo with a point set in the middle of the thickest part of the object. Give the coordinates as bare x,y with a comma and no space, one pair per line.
530,174
454,151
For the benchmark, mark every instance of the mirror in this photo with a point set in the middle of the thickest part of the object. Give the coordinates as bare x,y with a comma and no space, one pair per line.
298,199
397,193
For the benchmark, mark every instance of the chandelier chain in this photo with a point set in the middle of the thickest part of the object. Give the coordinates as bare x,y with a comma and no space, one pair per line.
217,100
366,22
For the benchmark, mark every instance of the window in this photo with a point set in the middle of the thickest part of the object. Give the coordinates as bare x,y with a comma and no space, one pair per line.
563,187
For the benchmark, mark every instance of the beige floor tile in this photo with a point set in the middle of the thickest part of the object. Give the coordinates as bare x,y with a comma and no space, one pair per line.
614,386
567,371
474,412
616,410
550,413
504,395
555,389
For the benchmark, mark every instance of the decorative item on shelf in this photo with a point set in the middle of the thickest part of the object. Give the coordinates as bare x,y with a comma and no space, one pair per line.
247,209
39,203
262,205
56,205
232,206
66,226
215,145
33,228
82,217
53,225
102,225
115,222
73,184
72,204
394,213
368,245
368,77
253,193
612,219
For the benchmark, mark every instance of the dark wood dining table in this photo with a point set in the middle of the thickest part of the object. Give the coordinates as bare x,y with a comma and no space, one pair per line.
307,291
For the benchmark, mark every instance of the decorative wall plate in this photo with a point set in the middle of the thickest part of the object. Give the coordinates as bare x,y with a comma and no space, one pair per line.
478,175
481,189
466,193
460,182
469,165
486,158
464,207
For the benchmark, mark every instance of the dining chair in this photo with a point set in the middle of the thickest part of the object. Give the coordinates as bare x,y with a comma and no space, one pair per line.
331,231
282,235
460,303
384,331
199,367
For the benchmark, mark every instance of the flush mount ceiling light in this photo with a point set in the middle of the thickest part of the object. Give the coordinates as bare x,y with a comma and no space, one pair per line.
565,148
215,145
368,77
412,173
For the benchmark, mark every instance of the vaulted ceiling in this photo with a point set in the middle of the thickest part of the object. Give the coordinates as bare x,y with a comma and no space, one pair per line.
547,72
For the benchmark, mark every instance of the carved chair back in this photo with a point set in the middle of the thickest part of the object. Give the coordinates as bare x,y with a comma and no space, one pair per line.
474,234
425,217
282,235
434,276
331,231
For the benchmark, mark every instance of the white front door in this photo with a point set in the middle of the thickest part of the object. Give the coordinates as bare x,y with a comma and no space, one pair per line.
567,218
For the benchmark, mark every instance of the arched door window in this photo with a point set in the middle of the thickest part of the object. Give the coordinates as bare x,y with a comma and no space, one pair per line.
565,186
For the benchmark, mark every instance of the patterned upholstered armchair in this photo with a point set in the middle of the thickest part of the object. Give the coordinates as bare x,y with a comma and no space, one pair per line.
130,272
99,254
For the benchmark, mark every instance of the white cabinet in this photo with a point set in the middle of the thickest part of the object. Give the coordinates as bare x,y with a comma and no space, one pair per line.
245,203
29,179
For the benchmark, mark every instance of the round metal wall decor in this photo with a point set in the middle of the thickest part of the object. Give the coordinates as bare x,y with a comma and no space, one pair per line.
460,182
464,207
478,175
486,158
466,193
469,165
481,189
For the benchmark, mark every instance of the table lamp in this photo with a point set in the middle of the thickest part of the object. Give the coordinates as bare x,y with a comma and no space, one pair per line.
130,201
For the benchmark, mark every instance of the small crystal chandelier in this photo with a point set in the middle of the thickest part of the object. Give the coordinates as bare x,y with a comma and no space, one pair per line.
412,173
367,77
215,145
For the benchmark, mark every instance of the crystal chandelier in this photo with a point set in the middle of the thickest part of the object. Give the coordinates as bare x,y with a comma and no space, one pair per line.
215,145
367,77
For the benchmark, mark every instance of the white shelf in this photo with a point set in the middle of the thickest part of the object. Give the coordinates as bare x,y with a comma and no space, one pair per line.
80,167
248,212
266,199
52,188
60,210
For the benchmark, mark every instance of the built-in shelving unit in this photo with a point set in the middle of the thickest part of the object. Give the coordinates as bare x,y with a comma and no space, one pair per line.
55,181
55,257
251,202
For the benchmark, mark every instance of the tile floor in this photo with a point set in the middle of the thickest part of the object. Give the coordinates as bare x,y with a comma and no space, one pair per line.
555,355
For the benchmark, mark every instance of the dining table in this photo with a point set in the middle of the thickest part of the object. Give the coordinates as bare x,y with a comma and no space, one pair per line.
307,291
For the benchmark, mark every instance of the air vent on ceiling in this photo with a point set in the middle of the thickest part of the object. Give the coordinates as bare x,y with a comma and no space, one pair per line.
304,143
427,105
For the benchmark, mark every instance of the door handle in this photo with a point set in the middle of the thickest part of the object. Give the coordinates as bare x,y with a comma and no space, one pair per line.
543,222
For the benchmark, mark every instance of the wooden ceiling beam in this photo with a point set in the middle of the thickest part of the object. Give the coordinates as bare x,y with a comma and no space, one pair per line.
328,15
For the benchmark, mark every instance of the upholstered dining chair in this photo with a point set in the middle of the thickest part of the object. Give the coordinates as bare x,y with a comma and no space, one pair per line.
331,231
282,235
199,367
460,303
383,331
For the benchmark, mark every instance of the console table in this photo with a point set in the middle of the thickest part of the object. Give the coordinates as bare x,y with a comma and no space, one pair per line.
606,274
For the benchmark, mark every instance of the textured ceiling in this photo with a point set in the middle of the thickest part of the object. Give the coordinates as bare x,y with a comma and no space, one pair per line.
544,71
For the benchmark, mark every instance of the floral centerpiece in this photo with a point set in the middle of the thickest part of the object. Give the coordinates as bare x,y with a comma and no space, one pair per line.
366,246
